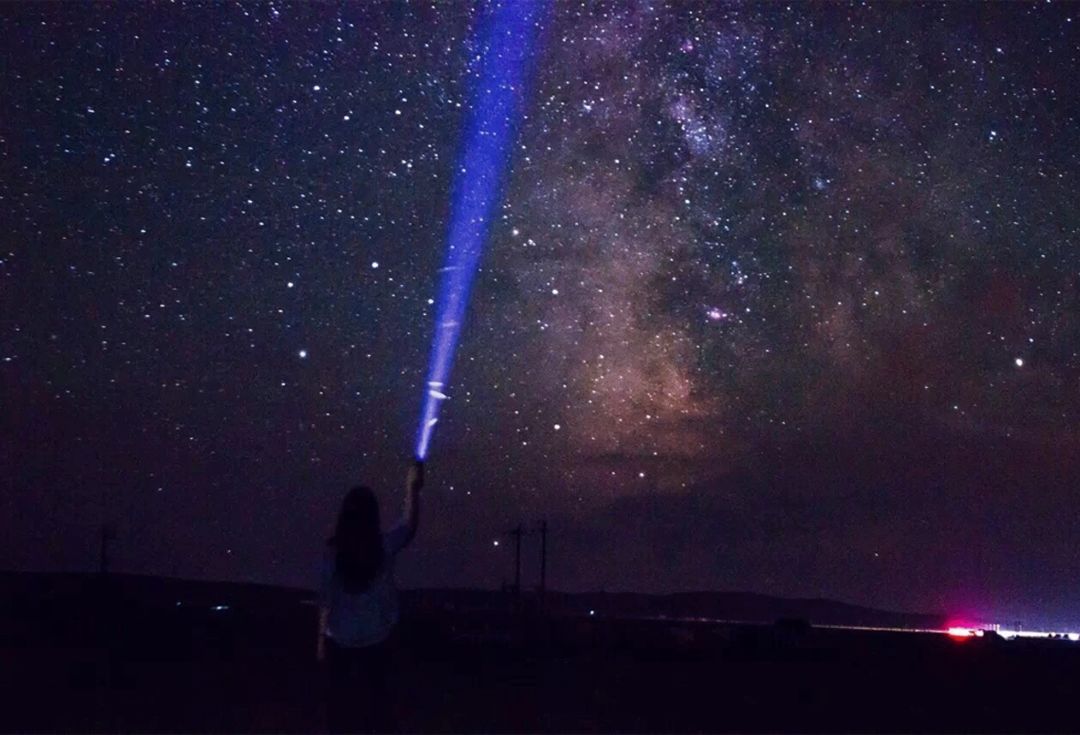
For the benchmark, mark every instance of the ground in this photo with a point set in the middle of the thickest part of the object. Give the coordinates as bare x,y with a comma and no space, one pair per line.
73,664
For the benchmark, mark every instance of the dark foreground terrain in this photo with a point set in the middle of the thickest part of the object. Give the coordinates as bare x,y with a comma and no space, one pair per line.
137,654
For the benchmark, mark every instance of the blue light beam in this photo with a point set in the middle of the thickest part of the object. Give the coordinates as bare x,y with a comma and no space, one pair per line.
505,37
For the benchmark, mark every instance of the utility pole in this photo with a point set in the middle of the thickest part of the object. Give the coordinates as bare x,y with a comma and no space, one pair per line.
108,533
543,560
517,533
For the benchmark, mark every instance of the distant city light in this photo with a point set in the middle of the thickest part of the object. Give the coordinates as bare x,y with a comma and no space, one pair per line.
1009,634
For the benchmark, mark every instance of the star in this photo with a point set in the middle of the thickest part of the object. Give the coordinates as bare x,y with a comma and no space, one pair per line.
749,260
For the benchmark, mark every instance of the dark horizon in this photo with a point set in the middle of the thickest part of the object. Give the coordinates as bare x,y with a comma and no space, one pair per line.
778,299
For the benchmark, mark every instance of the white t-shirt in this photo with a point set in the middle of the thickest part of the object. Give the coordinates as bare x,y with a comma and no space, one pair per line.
368,617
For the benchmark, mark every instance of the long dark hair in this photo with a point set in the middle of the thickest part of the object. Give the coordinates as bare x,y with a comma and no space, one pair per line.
357,540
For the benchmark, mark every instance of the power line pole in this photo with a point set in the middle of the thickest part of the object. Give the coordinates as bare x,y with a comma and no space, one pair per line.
517,533
108,533
543,560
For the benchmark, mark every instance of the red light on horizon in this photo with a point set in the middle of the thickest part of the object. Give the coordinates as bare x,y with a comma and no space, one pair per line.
960,634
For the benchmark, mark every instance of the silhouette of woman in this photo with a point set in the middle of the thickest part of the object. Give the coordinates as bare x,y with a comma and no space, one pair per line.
358,608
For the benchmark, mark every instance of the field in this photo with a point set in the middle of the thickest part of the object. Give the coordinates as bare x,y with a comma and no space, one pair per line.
97,656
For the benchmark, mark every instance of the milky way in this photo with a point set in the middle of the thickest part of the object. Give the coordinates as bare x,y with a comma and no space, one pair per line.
780,298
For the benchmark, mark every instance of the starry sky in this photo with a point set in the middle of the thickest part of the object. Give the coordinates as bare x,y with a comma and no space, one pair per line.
780,298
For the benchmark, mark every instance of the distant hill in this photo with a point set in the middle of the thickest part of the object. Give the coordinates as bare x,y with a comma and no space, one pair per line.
24,591
730,606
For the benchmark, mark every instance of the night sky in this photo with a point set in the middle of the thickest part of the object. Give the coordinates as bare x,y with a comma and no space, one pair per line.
780,298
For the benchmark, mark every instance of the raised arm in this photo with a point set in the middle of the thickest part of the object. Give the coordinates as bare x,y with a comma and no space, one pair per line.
320,642
326,578
414,482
